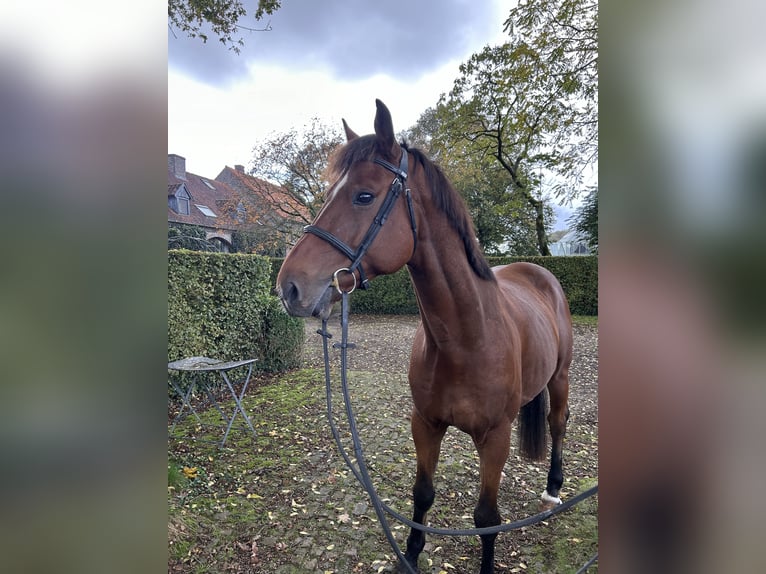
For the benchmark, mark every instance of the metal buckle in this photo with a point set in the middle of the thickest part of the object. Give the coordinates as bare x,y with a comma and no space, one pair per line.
336,283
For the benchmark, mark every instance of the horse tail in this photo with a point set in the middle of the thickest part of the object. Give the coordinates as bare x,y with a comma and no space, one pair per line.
532,436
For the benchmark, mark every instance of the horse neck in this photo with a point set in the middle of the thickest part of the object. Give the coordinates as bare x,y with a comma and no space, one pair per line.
454,302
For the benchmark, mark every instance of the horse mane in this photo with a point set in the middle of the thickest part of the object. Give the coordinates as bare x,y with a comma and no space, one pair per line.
446,199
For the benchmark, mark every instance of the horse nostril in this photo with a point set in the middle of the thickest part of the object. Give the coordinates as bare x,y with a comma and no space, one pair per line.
290,292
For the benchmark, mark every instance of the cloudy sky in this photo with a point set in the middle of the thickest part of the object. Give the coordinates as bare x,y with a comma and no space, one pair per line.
327,59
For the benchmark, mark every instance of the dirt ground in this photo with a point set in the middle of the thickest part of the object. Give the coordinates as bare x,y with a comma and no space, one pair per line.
285,502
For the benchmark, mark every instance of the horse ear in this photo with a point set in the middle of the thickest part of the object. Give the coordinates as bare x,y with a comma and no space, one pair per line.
384,126
350,134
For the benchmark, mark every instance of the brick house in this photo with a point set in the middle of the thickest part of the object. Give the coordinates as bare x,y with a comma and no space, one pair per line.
201,202
274,218
267,218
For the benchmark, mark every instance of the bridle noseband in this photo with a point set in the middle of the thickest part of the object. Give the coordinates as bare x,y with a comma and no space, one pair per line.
356,255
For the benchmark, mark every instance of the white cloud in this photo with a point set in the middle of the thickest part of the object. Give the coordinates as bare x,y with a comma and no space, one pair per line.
213,127
215,122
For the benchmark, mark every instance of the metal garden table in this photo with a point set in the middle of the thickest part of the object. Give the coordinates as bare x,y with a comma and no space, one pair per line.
206,364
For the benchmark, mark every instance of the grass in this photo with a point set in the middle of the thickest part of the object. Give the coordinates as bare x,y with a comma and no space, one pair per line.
567,542
585,320
231,493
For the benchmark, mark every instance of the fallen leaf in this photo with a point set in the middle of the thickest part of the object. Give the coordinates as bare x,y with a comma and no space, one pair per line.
254,553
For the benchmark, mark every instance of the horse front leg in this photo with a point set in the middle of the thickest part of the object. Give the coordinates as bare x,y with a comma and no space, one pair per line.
493,449
428,441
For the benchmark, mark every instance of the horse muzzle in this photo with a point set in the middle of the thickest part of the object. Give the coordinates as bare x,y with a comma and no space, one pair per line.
299,303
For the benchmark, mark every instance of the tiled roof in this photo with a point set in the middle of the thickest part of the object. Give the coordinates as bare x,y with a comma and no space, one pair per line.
214,197
268,196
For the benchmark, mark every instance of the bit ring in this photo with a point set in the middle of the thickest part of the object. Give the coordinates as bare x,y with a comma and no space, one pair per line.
336,283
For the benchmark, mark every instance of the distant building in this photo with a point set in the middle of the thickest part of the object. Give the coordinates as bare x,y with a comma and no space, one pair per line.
234,206
569,244
266,209
195,200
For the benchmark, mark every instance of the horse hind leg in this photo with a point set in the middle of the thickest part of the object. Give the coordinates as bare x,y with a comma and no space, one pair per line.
493,449
428,441
558,389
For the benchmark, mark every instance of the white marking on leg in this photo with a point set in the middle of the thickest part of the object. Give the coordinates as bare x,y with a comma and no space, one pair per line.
550,499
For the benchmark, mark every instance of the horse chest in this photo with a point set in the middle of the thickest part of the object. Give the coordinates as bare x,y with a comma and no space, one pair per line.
467,396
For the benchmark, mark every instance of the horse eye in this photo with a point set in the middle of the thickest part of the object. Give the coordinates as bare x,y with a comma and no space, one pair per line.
363,198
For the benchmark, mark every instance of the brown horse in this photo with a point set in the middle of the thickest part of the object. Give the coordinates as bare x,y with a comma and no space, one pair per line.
491,340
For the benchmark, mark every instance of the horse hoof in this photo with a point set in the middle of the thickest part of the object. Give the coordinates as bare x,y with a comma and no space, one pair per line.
547,501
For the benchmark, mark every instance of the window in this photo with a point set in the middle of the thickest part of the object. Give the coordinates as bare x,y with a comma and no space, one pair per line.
205,209
183,205
207,183
179,201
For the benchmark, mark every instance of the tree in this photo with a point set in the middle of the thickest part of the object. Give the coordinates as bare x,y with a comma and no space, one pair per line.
503,221
530,103
585,219
501,109
193,16
296,161
565,35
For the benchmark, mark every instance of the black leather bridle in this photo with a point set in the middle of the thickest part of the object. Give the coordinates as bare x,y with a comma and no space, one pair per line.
356,255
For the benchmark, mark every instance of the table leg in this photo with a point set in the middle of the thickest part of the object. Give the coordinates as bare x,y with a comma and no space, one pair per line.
238,402
185,402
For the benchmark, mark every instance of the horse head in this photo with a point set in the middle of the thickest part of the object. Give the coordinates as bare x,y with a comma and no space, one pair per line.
366,227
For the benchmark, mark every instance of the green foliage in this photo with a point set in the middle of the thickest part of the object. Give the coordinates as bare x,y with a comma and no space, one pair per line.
265,241
276,265
500,216
565,35
528,108
585,219
222,16
221,305
387,295
281,338
185,236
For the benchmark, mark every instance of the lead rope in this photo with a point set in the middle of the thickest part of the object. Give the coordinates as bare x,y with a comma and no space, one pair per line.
362,475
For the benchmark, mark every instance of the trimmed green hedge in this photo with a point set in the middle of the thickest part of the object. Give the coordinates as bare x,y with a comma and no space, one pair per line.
393,294
222,305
